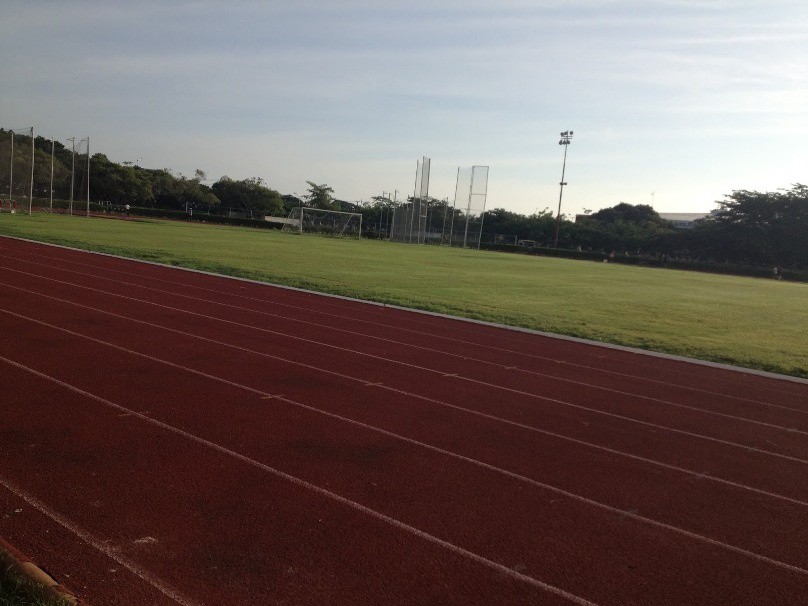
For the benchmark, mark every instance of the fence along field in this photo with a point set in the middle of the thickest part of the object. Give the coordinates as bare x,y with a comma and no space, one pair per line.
749,322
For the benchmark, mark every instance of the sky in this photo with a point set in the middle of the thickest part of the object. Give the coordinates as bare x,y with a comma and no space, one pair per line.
674,103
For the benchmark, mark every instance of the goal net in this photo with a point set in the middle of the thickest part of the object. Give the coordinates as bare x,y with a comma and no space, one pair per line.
336,223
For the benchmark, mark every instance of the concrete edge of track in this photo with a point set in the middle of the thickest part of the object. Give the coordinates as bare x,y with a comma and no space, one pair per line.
23,566
625,348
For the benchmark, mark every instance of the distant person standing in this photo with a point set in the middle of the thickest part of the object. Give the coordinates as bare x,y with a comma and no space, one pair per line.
126,208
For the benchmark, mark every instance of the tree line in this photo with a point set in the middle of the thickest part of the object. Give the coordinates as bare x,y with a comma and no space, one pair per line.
748,227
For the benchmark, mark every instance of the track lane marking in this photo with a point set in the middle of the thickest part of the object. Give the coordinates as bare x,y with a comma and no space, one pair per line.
421,333
424,368
487,416
451,547
102,546
468,326
541,485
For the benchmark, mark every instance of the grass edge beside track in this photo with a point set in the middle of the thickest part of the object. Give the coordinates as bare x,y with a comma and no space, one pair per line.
369,290
19,589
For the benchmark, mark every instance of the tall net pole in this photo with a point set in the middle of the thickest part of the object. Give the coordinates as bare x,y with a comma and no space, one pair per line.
11,172
454,204
22,189
53,150
471,192
72,169
478,196
88,176
31,186
418,168
423,201
468,209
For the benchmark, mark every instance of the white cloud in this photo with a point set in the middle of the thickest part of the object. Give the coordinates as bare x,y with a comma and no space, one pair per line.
674,96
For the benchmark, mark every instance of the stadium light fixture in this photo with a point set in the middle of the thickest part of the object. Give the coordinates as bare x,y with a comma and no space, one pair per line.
566,139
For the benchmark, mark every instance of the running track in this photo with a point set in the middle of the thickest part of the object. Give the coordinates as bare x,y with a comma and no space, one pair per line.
169,437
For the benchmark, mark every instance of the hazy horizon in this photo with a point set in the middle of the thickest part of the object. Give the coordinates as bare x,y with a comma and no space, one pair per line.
686,99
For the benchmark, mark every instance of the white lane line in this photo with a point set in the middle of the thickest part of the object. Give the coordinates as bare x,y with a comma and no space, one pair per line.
451,454
455,549
102,546
421,333
410,365
683,365
434,401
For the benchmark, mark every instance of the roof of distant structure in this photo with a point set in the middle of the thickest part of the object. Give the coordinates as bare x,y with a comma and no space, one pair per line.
683,216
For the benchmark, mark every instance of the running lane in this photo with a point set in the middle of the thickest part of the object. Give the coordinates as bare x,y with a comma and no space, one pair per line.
517,500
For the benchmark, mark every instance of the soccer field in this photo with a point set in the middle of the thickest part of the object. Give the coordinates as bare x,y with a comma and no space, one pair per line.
749,322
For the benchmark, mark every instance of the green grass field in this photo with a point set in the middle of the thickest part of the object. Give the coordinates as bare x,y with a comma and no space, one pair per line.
744,321
18,590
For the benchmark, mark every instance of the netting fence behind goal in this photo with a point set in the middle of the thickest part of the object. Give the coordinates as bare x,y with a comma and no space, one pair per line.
410,220
468,213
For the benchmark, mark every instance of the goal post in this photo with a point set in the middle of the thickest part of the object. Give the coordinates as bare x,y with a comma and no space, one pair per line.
337,223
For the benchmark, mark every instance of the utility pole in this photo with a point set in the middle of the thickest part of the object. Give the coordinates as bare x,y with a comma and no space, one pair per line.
566,139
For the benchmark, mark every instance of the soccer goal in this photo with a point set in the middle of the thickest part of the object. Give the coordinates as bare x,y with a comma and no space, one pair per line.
325,222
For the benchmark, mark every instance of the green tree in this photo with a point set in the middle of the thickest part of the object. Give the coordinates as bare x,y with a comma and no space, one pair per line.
319,196
113,182
623,227
756,228
639,214
179,192
248,194
290,201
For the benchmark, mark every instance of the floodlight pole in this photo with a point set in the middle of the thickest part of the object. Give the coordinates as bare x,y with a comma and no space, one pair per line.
566,139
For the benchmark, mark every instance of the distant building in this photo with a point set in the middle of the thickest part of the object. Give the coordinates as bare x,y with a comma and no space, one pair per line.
683,220
679,220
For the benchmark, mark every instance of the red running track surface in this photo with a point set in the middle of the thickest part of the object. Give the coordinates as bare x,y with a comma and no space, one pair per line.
171,437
